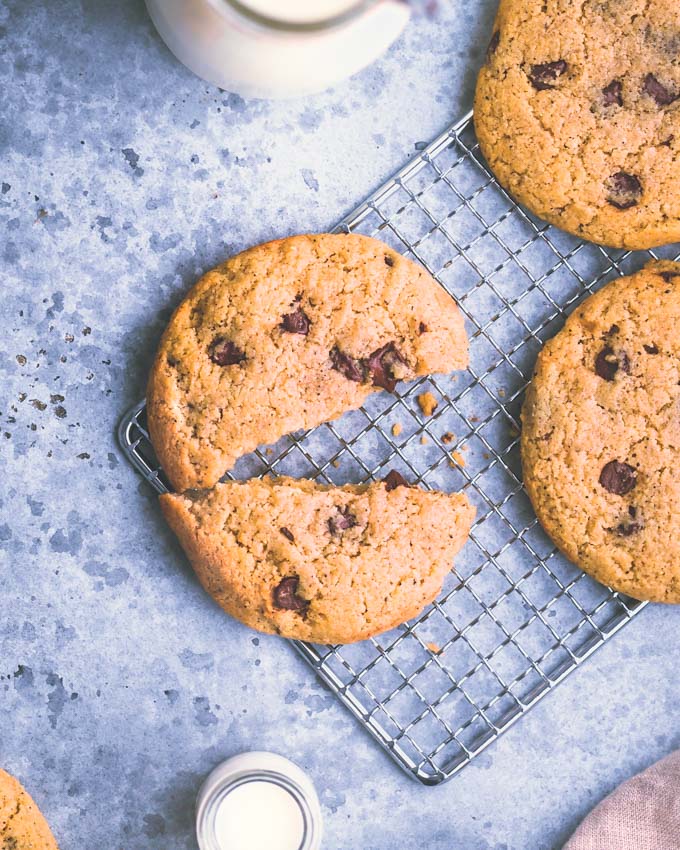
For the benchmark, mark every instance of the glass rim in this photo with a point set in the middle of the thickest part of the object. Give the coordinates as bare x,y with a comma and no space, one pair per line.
267,22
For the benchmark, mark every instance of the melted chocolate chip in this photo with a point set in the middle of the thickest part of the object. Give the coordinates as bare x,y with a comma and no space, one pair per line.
628,526
608,363
618,478
381,366
224,352
422,328
546,75
287,533
623,190
285,595
493,44
296,322
343,520
394,479
656,90
668,276
651,349
613,330
353,370
612,95
389,261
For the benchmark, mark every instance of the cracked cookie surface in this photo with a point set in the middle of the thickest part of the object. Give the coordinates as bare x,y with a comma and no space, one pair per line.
577,112
22,826
601,435
285,336
324,564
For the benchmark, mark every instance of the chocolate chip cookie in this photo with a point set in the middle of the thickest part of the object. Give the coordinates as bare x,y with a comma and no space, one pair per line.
22,826
288,335
577,111
324,564
601,435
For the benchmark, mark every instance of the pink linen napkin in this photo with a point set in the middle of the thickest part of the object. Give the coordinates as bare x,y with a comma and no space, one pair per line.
641,814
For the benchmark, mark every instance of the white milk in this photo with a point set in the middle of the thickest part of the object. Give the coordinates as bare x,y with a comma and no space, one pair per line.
259,816
300,11
239,54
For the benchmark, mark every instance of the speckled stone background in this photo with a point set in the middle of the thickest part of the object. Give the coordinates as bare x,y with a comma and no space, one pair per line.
122,177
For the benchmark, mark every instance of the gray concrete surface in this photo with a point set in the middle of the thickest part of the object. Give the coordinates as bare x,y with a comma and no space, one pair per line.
122,177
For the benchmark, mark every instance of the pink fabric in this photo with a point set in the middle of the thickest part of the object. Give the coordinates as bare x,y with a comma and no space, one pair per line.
641,814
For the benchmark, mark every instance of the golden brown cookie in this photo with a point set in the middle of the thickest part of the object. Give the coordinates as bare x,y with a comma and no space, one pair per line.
578,114
323,564
22,826
601,435
288,335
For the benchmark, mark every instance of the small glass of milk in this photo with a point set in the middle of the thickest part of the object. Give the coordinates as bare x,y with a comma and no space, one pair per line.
277,48
258,801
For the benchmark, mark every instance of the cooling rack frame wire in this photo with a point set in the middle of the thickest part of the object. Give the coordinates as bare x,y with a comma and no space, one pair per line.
515,618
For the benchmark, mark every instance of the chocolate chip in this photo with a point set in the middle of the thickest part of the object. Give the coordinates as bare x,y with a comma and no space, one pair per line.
353,370
624,190
343,520
668,276
296,323
546,75
389,261
651,349
613,330
608,363
618,478
287,533
626,529
381,366
613,94
224,352
493,44
668,142
394,479
656,90
285,595
628,526
422,328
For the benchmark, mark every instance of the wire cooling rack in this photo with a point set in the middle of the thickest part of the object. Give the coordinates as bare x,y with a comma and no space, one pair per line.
516,617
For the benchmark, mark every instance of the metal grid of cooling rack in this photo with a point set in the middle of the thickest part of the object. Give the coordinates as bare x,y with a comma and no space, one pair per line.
516,617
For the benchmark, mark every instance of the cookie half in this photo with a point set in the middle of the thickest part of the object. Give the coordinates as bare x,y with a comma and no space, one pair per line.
288,335
601,435
577,112
22,826
323,564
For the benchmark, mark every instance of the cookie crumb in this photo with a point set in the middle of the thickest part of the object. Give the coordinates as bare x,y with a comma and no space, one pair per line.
423,440
396,429
433,647
458,458
335,463
428,403
448,438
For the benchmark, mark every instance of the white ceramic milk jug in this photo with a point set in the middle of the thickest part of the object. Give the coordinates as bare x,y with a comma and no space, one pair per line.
277,48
